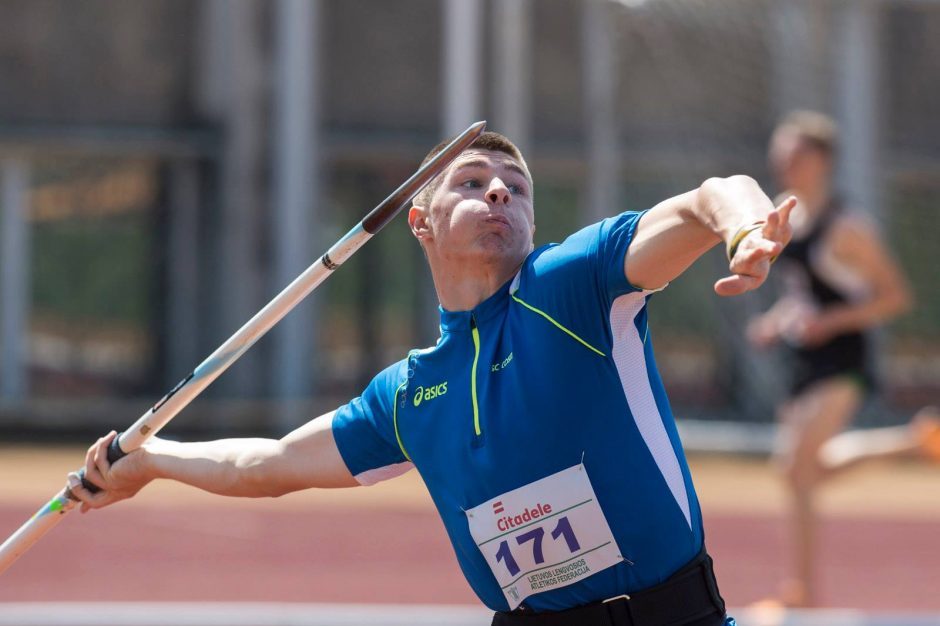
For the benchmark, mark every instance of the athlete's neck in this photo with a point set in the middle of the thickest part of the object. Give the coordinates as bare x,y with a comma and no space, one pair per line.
462,286
814,198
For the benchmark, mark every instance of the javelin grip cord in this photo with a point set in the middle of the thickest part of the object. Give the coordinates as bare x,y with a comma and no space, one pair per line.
114,454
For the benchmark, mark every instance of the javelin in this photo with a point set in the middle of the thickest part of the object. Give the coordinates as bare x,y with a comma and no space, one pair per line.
187,389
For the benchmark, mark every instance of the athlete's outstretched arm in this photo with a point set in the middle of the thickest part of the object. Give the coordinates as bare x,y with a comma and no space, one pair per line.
676,232
254,468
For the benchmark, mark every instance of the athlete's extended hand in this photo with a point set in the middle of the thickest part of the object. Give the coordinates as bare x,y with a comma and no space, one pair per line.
117,482
753,255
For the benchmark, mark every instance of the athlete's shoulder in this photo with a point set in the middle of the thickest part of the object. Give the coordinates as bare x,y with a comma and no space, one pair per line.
854,222
592,248
393,376
590,238
386,382
852,231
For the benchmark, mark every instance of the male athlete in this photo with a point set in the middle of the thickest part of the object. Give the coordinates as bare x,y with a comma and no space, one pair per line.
538,422
841,283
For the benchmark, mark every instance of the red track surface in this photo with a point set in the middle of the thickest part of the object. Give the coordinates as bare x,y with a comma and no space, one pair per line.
373,554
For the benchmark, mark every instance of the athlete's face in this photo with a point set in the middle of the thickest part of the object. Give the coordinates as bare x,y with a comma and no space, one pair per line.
480,212
795,164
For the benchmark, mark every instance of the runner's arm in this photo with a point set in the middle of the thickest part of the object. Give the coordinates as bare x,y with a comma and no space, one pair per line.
856,244
768,328
677,231
254,468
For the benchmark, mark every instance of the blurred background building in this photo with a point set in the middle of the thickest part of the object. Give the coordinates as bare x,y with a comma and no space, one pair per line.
167,166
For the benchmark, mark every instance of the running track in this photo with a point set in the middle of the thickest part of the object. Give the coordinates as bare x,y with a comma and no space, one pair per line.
388,546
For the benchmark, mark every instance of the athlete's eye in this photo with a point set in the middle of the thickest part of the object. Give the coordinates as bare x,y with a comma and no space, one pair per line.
471,183
516,190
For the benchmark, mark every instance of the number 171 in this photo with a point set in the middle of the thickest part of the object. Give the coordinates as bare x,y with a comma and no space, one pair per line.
562,529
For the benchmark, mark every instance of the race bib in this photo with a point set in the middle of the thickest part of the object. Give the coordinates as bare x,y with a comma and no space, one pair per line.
548,534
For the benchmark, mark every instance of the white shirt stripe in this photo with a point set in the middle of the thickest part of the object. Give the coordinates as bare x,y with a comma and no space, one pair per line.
377,475
630,359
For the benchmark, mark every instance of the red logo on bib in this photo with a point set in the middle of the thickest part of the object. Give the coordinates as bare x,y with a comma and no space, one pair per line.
527,515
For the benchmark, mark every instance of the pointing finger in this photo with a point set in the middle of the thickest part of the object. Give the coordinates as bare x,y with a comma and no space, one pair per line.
778,220
777,226
785,207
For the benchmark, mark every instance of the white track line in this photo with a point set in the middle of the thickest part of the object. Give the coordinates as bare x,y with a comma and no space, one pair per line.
297,614
236,614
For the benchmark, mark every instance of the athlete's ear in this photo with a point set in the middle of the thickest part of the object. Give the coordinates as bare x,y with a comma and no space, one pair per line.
420,223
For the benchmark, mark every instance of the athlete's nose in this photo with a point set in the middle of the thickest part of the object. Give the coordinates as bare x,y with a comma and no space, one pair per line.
498,193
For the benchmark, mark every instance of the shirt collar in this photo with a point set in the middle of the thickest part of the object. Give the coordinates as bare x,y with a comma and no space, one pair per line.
491,307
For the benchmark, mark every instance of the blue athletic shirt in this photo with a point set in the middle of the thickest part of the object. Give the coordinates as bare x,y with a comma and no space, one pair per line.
555,367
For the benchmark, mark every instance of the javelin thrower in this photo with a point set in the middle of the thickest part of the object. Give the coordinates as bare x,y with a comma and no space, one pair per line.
539,404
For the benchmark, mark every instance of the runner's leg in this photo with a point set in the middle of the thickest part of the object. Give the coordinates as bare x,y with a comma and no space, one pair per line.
847,450
808,422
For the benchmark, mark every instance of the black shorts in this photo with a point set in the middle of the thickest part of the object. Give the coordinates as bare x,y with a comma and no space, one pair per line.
846,356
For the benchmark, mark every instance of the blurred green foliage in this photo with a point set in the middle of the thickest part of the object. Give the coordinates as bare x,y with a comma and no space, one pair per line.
100,269
912,224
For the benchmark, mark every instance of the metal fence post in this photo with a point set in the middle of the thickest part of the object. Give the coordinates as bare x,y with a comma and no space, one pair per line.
295,188
14,279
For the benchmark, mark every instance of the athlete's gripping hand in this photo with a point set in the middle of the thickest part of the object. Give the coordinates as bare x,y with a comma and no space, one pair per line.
754,248
117,482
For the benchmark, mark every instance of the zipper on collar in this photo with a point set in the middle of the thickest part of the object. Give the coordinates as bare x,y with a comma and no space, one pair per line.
475,332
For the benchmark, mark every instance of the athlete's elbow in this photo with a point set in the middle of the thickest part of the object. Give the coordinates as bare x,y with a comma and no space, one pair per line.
273,491
717,191
723,186
257,483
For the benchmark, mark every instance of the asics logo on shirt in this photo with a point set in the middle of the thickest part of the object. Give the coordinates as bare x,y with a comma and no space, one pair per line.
429,393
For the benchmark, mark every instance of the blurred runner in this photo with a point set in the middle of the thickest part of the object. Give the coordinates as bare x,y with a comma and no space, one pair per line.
840,282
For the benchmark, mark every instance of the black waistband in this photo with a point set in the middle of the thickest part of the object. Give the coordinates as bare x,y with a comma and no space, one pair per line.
686,597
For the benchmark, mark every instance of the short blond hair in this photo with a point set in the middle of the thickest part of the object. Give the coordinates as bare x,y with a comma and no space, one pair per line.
489,140
817,130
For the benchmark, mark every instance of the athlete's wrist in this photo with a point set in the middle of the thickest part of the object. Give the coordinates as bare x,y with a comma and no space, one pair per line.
154,459
740,235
